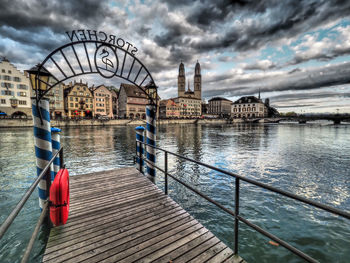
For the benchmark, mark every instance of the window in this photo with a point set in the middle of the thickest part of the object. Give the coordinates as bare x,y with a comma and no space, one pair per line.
74,93
21,94
76,105
71,99
3,71
6,85
9,71
76,99
6,77
71,104
22,86
22,102
3,101
17,79
90,106
6,92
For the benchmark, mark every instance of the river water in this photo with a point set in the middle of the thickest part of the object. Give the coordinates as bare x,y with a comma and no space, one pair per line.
311,160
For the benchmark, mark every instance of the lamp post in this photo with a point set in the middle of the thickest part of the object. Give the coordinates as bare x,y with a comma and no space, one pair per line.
39,78
151,113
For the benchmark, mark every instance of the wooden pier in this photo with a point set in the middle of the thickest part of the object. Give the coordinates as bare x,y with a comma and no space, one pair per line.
120,216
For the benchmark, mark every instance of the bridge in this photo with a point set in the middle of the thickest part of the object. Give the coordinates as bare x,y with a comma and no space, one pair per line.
335,118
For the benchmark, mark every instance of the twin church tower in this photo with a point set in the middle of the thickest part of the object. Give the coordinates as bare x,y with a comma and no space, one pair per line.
181,83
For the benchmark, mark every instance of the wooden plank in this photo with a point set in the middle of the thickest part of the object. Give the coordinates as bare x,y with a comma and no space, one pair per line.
120,216
184,248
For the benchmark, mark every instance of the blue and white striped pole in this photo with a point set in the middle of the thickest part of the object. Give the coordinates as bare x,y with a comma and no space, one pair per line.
56,144
42,142
139,147
151,139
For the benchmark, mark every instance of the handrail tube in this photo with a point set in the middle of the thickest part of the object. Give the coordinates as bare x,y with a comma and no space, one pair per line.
278,240
35,233
257,228
236,217
265,186
6,224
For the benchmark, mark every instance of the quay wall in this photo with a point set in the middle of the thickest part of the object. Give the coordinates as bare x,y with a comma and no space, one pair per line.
22,123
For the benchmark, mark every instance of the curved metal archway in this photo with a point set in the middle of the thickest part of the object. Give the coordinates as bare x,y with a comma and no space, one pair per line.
87,57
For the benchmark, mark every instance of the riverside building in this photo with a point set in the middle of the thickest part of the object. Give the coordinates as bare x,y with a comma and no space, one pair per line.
249,107
56,98
102,101
78,100
169,109
219,106
131,102
15,91
189,101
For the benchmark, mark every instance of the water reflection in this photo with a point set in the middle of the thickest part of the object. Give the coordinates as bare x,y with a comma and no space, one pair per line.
309,160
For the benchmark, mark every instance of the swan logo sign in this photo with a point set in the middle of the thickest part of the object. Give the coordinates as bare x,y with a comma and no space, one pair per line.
106,61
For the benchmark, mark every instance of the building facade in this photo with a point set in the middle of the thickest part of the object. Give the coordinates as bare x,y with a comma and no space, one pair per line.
114,102
249,107
56,97
169,109
131,102
15,91
219,106
103,105
189,107
78,100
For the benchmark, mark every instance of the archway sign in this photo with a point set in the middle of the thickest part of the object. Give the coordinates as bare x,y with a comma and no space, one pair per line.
88,52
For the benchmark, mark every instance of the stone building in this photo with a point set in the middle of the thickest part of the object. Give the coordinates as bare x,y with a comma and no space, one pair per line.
131,102
219,106
56,97
197,83
102,101
169,109
114,102
15,91
189,107
78,100
249,107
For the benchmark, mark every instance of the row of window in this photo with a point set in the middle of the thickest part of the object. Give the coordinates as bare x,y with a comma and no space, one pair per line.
81,94
102,95
7,77
77,99
11,93
100,105
20,102
243,105
77,105
4,71
11,86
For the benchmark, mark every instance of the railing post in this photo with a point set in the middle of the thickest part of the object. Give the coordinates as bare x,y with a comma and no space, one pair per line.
166,172
151,140
56,145
61,158
42,142
236,215
139,147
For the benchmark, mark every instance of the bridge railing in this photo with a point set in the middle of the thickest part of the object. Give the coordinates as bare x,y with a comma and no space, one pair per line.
235,213
9,220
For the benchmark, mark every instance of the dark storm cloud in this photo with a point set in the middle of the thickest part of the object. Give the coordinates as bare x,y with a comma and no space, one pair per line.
303,96
294,106
56,15
245,84
258,22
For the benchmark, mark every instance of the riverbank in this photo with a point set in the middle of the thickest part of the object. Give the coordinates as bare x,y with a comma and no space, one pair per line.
22,123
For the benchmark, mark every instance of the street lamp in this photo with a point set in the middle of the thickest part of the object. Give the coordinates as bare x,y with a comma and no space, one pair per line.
151,90
39,78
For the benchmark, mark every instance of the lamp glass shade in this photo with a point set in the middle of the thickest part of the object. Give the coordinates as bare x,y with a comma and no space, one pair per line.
42,74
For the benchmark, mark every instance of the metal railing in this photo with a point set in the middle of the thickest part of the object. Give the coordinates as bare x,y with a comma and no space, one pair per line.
235,213
44,213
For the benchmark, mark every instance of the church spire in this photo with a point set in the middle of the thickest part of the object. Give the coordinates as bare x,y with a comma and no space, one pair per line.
259,94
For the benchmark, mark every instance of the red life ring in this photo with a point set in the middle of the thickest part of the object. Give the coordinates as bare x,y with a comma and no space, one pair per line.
59,198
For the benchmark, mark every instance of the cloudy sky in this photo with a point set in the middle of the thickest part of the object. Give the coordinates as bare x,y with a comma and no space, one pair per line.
297,53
